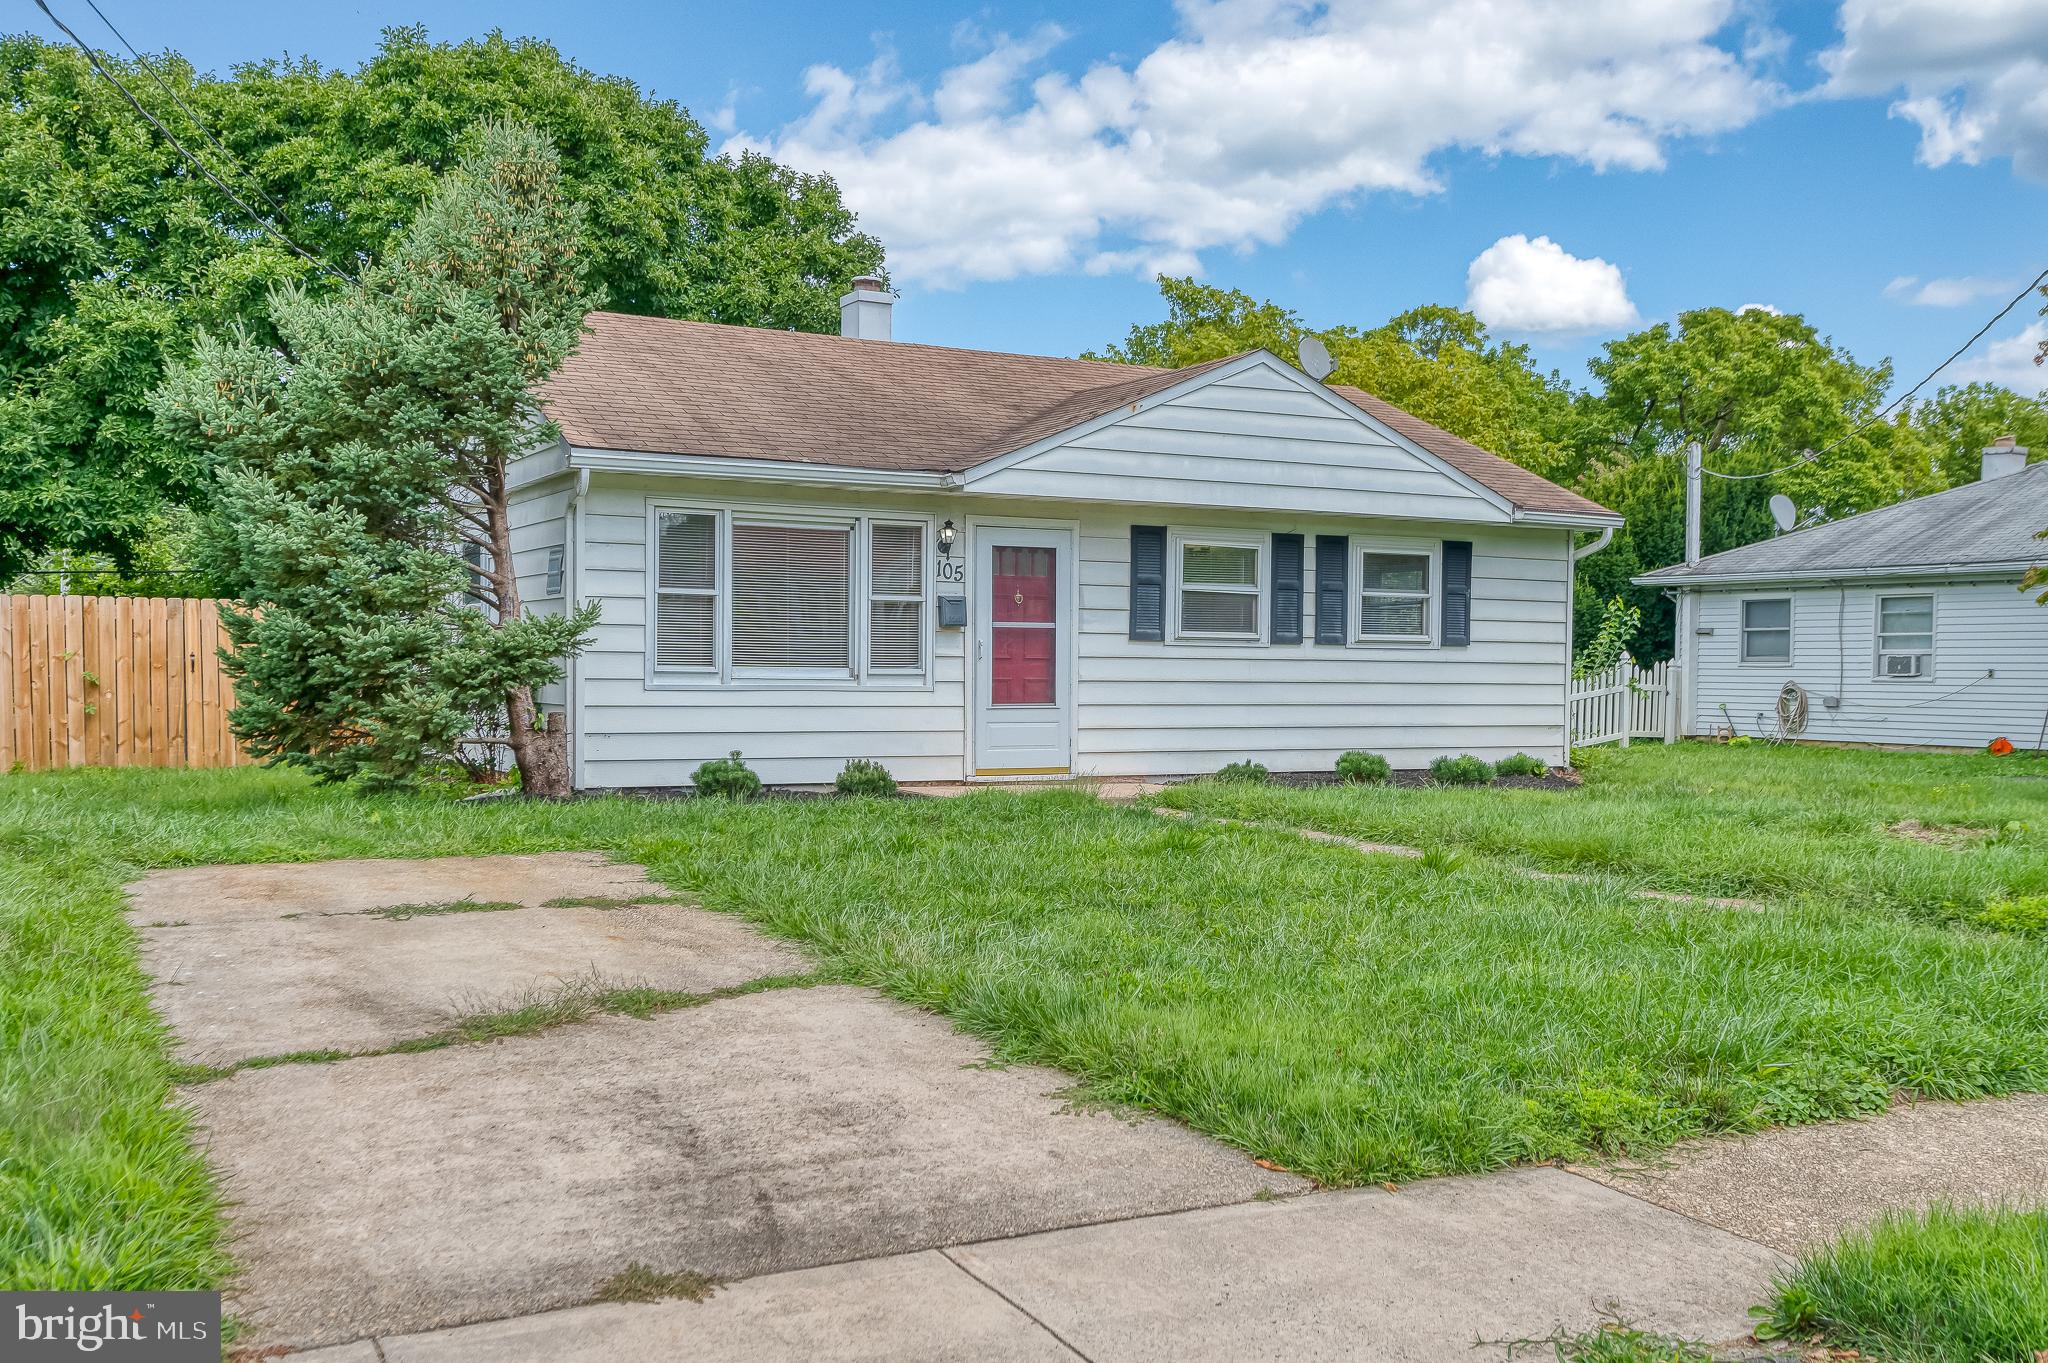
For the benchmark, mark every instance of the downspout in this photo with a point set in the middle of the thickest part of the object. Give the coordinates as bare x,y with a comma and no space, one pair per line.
1572,554
572,689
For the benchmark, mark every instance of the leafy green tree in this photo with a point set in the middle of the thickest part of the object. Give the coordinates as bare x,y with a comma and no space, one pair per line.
1436,362
1758,391
118,254
1961,421
165,561
364,450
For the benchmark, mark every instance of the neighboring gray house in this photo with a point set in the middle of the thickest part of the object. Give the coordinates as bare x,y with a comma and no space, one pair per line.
1904,625
973,565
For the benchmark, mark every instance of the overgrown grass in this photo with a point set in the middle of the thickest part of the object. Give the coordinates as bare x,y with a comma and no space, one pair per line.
1353,1018
1749,821
1948,1286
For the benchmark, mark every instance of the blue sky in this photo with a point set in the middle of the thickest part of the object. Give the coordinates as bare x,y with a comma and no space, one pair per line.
1571,168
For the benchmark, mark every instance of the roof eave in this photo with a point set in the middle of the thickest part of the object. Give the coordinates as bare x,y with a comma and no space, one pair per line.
1669,577
1577,520
774,470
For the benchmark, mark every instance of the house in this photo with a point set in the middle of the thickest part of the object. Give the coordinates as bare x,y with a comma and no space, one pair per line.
1904,625
969,565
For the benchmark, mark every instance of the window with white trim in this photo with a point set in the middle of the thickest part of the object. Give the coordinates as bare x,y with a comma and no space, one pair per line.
896,592
753,594
686,591
1767,629
792,596
1396,595
1905,637
1218,581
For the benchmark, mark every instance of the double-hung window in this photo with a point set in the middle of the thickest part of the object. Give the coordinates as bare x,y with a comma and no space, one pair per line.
686,591
896,593
1767,629
1905,636
1217,586
1396,591
746,595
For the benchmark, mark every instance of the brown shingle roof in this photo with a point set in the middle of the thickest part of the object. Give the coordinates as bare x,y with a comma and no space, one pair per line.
656,385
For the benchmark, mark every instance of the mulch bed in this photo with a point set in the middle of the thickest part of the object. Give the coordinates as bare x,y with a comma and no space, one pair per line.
1559,778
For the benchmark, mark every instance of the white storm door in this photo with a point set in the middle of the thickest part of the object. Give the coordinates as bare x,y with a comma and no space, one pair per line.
1023,697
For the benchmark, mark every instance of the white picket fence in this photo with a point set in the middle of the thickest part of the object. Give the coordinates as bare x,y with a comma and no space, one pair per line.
1626,702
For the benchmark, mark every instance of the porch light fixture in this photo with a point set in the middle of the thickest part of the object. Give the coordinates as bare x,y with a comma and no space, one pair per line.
947,534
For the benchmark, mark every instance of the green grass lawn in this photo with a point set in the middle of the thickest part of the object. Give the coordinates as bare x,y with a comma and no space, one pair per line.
1948,1286
1353,1018
1720,820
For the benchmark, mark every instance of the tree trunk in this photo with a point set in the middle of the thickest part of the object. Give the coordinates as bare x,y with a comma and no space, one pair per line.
540,753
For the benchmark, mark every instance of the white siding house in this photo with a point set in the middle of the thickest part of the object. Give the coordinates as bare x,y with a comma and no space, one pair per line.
966,565
1902,626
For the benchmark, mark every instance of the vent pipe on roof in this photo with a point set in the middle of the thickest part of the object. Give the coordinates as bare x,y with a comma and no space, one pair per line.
2002,456
864,312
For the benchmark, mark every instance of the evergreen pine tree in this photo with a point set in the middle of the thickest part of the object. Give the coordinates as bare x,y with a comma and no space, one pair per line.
362,493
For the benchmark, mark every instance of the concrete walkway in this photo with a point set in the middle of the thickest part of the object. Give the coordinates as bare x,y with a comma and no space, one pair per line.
1418,1276
1794,1186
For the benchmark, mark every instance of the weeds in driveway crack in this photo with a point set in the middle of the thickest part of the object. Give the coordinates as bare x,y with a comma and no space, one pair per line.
639,1283
398,913
578,1001
612,901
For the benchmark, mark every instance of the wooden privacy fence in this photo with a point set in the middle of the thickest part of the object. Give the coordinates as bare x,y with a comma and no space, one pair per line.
1625,702
113,681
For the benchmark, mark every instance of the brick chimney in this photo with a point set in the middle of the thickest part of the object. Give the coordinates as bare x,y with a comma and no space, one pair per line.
864,312
2002,456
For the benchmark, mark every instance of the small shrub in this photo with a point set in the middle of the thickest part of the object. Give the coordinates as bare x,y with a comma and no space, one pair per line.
727,777
1740,741
2026,915
862,777
1462,770
1245,774
1360,767
1522,764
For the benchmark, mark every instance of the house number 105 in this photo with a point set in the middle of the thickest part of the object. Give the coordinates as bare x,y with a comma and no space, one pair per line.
952,570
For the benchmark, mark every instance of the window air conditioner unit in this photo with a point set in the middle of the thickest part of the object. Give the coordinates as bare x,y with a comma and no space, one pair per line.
1902,664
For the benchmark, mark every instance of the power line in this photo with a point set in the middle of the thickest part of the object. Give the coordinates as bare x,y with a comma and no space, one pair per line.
179,100
1811,455
259,219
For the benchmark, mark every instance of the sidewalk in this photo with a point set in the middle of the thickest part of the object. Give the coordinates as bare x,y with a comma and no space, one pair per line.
1425,1274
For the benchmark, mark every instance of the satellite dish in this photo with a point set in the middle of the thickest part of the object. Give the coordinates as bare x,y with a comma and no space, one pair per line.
1315,358
1783,513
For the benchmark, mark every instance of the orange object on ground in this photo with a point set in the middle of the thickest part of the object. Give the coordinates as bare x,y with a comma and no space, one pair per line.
2001,746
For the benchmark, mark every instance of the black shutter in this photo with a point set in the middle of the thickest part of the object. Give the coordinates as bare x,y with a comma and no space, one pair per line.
1148,582
1287,554
1457,593
1333,558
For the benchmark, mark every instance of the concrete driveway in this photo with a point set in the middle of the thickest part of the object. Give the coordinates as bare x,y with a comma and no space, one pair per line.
404,1190
854,1176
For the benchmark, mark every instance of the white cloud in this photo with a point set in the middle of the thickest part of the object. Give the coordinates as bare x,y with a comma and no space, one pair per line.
1521,285
1951,292
1771,308
2008,360
1973,74
1252,115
